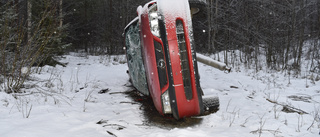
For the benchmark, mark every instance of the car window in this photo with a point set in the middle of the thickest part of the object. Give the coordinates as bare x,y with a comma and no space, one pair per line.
134,57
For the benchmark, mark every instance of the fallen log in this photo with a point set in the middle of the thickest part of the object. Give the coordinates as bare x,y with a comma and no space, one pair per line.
287,108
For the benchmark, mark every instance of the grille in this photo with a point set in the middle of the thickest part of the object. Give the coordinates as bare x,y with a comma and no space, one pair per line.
161,65
184,59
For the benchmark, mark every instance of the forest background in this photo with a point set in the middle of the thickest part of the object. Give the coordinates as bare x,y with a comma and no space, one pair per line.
35,32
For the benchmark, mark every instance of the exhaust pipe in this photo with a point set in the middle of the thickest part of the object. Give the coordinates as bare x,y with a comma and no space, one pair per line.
213,63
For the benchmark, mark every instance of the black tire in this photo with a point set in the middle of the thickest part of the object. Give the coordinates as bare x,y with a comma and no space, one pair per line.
201,5
211,104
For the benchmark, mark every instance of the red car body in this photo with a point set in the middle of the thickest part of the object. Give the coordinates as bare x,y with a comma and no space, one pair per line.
168,59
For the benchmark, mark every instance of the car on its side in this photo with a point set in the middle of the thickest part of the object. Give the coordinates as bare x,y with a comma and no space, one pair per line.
161,58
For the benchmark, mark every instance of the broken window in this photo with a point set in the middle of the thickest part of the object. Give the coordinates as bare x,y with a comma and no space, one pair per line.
134,57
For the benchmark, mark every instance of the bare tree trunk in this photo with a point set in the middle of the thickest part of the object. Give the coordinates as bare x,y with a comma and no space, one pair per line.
293,28
60,13
301,35
301,40
216,28
110,27
86,22
29,20
209,8
212,16
288,44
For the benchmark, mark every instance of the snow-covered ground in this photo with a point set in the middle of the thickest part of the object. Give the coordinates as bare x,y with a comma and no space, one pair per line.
69,102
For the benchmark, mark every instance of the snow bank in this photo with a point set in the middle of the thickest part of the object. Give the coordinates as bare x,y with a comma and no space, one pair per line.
71,105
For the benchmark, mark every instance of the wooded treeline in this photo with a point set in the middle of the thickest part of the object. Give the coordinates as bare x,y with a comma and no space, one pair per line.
33,32
276,28
96,26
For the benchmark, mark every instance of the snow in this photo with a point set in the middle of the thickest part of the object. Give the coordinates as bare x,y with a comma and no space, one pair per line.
172,12
66,103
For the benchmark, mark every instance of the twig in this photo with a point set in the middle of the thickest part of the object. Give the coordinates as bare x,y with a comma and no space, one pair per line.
272,131
111,133
122,102
29,112
245,121
228,105
314,120
119,127
117,93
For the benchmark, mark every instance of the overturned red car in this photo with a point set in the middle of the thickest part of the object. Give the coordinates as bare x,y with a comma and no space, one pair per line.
161,58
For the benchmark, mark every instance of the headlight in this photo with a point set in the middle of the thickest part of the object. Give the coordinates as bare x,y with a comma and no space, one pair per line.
153,20
166,103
